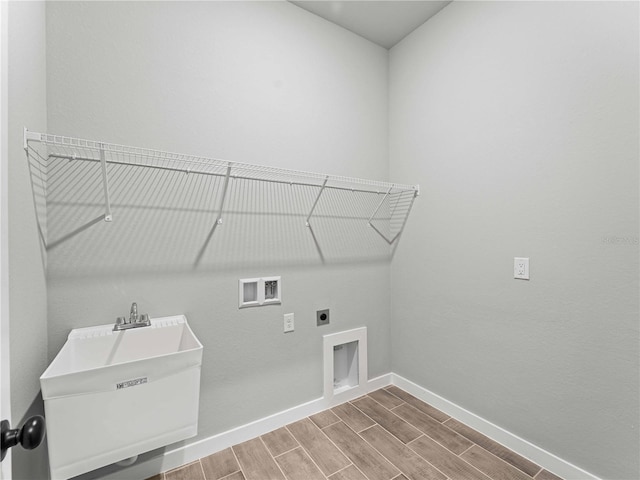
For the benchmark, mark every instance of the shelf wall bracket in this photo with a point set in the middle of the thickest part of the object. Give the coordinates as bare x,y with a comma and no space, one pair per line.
324,184
386,195
218,221
108,217
224,194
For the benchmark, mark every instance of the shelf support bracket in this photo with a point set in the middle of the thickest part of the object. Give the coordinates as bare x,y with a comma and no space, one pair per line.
224,194
324,184
386,195
108,217
219,218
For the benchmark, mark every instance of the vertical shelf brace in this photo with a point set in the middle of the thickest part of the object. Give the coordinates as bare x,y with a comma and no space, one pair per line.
108,217
219,218
224,194
374,214
324,184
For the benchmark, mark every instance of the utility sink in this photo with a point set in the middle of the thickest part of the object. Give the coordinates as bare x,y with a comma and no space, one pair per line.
110,395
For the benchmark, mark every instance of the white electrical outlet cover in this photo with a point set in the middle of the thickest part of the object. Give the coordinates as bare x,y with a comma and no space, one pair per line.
521,268
288,322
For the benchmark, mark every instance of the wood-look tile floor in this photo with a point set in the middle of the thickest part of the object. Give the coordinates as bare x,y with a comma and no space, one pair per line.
386,435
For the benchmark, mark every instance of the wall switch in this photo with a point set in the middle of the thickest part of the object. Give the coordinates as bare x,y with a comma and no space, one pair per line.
521,268
322,317
288,322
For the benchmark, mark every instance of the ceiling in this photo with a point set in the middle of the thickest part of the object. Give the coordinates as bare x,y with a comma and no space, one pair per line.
384,22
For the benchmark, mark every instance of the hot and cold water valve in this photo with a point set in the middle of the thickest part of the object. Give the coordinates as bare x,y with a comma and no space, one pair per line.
255,292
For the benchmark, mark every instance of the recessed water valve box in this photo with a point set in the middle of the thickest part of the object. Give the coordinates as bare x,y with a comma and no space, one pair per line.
322,317
254,292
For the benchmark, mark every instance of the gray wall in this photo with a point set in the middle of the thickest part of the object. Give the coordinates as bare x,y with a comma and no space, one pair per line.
520,122
27,287
262,82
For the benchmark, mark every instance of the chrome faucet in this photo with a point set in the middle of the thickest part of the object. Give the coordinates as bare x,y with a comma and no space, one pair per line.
134,321
133,313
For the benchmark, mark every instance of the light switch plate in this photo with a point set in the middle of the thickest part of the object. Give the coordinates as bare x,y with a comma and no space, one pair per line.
288,322
521,268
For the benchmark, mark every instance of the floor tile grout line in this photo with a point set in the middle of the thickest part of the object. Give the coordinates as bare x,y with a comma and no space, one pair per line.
399,417
204,475
349,402
447,476
227,476
309,454
283,453
502,460
424,413
344,468
322,428
237,461
497,443
449,417
466,449
398,406
344,453
406,445
272,458
354,406
436,440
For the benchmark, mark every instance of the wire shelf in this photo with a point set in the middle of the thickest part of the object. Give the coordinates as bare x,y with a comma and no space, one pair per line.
387,220
89,150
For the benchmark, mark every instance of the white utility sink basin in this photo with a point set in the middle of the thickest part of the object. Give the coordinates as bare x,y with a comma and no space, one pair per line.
112,395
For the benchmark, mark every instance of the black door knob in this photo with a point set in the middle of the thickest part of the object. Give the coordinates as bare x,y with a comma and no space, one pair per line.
29,436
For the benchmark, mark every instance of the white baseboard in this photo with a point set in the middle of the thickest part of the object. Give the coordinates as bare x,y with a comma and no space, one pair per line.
191,452
522,447
177,457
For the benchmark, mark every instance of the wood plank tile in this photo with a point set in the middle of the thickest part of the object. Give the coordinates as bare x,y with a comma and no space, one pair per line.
417,403
433,428
405,459
494,447
401,477
234,476
279,441
219,464
354,418
387,419
349,473
159,476
385,399
256,462
297,465
192,471
318,446
493,466
546,475
363,456
445,461
324,419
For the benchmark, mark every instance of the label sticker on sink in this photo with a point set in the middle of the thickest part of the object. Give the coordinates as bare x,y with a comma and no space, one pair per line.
131,383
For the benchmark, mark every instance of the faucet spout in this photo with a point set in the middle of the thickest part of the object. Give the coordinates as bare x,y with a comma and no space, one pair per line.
133,314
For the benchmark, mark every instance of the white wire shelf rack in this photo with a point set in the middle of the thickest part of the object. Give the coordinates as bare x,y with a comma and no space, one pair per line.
395,199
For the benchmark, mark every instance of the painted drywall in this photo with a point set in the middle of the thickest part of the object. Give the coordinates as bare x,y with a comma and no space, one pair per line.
262,82
520,122
27,286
